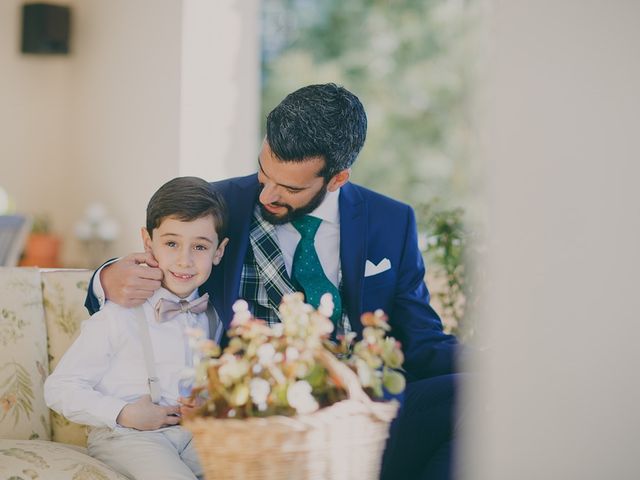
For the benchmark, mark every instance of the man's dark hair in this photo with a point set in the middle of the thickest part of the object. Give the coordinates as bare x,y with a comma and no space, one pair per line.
318,120
187,199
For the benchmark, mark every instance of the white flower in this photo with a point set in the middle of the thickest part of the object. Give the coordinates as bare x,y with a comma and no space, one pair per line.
299,397
292,353
240,306
326,305
241,313
322,325
83,230
256,369
259,390
266,353
95,212
232,369
108,230
278,329
240,318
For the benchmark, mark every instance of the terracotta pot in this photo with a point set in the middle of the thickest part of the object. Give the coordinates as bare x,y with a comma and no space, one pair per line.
42,250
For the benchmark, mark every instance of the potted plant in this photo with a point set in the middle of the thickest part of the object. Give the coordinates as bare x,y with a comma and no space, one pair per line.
43,246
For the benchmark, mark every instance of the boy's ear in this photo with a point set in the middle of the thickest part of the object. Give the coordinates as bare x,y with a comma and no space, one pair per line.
146,240
220,251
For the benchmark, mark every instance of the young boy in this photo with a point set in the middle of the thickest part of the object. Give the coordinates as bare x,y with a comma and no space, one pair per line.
126,357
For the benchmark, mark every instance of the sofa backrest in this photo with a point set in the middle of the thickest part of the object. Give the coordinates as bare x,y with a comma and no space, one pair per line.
40,316
23,361
63,293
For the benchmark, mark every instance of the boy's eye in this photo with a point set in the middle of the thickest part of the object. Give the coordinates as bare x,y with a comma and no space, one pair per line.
200,247
170,244
292,191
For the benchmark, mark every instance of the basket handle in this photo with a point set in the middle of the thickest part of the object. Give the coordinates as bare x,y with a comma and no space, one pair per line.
347,376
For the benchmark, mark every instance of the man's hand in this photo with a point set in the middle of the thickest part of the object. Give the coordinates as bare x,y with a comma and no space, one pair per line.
131,280
145,415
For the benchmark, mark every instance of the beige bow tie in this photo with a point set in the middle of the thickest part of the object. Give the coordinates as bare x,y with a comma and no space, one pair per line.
167,309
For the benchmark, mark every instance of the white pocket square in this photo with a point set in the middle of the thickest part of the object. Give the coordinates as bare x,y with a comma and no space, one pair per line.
370,269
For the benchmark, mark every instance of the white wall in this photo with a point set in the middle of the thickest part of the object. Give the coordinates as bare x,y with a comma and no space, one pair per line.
152,89
558,393
220,98
34,119
126,107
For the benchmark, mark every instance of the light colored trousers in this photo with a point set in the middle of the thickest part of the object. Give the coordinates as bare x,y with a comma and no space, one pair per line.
167,453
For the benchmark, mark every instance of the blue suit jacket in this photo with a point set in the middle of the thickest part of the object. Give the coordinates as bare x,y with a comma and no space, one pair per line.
372,227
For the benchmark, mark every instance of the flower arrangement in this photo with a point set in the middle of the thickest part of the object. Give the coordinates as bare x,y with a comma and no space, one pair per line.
96,230
279,370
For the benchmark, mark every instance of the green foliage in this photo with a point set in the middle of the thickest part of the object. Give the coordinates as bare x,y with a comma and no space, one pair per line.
41,224
450,252
444,249
408,61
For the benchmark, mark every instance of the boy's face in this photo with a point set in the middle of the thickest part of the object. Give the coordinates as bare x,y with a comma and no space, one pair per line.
185,251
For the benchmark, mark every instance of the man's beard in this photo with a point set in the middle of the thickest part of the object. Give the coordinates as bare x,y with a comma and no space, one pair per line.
293,213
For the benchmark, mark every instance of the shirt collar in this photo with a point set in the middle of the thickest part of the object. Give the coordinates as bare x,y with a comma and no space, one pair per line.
328,210
166,294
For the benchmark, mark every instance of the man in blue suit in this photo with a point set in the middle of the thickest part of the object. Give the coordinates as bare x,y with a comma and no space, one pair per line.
300,214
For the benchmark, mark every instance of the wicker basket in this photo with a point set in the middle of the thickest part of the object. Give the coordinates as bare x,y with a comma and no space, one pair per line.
341,442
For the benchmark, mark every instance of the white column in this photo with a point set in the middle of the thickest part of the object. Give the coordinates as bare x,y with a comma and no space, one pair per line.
219,99
558,395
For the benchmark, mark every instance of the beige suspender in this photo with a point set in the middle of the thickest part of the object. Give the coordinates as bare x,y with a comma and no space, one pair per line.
215,332
152,378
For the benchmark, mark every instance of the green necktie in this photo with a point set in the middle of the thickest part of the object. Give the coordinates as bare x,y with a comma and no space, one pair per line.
307,273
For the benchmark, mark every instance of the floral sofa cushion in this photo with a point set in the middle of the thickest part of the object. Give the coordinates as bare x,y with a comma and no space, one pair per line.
24,366
64,292
34,459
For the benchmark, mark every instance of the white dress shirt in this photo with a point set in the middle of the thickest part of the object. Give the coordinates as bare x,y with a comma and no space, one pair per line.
327,239
105,368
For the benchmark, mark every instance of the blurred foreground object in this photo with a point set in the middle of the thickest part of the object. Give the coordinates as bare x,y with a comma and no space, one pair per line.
311,416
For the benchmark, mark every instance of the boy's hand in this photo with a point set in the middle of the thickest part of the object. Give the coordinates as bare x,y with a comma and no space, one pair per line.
131,280
188,406
145,415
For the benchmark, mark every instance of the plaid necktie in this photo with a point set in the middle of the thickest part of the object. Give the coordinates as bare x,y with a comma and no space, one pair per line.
307,272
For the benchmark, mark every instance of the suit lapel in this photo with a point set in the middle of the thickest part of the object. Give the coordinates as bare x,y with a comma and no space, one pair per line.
215,324
226,281
353,247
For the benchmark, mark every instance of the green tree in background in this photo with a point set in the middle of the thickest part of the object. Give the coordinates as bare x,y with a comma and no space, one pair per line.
409,62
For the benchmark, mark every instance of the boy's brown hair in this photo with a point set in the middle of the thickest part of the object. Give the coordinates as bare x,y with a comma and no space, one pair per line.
187,199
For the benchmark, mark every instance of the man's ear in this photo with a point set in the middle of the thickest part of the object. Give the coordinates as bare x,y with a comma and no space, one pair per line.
338,180
146,240
220,251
